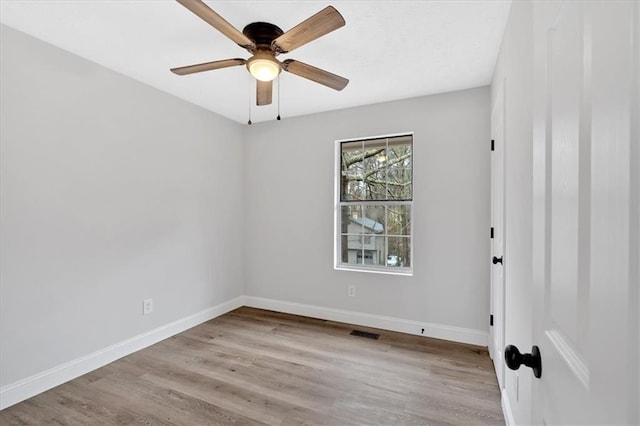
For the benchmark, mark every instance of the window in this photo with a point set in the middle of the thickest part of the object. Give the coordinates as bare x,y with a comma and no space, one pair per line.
374,193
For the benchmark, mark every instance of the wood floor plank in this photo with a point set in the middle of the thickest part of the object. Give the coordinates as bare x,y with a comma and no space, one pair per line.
252,367
261,377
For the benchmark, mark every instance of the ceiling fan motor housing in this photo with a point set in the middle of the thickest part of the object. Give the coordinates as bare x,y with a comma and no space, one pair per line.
262,33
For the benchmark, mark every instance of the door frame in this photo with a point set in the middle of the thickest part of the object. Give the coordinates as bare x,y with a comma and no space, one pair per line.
497,292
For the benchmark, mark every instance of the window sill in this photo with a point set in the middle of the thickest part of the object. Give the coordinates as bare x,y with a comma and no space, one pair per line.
407,272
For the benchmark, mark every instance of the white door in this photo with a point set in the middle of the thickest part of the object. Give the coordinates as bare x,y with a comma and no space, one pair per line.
585,232
496,345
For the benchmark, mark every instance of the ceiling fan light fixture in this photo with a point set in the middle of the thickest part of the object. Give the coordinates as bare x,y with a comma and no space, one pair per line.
264,69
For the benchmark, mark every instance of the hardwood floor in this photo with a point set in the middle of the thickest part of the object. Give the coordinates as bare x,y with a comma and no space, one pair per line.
252,366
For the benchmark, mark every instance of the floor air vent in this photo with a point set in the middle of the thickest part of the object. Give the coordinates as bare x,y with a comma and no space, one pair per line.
366,334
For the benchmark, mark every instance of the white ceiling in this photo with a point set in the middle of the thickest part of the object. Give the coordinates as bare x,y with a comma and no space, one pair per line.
388,49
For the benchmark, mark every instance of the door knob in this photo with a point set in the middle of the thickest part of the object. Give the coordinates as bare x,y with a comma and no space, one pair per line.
515,359
497,260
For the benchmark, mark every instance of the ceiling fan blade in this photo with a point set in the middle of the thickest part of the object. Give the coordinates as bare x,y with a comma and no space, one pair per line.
208,66
323,22
218,22
264,91
315,74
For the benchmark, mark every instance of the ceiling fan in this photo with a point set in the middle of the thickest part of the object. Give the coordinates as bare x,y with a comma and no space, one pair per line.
265,41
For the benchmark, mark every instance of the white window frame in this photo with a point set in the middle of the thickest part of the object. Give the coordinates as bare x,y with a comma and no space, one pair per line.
337,216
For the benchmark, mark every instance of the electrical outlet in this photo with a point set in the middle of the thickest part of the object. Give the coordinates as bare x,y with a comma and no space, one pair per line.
351,291
147,306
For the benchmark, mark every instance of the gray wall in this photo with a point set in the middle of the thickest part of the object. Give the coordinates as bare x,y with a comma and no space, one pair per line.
112,192
289,200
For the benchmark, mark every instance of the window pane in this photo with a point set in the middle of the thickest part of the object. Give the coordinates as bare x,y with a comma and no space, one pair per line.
399,219
373,221
399,252
375,250
350,223
352,249
399,151
375,169
399,184
399,168
351,171
343,247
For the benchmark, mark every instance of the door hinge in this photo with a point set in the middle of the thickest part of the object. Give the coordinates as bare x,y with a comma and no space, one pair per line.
491,320
492,232
493,145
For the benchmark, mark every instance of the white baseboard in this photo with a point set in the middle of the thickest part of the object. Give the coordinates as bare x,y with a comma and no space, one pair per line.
506,409
438,331
26,388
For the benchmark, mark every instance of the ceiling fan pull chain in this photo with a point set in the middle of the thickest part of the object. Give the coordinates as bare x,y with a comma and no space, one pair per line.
249,122
278,117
